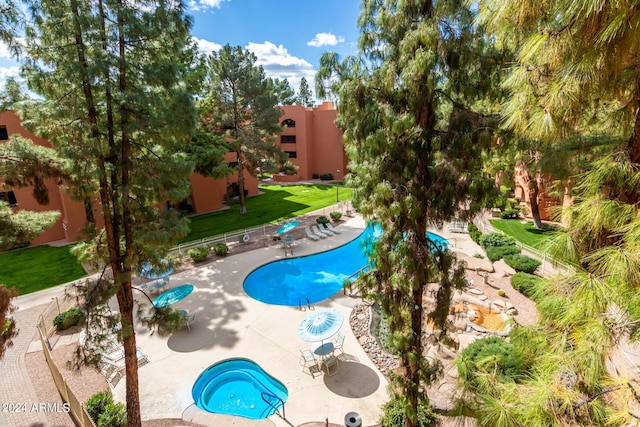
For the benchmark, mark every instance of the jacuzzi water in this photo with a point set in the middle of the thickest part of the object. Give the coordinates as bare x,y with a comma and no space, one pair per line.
239,387
313,278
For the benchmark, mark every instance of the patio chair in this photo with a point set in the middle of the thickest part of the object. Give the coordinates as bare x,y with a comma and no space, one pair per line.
318,232
332,365
326,230
332,228
338,342
310,235
188,318
308,361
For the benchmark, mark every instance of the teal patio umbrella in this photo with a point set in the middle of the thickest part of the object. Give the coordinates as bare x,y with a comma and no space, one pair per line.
173,295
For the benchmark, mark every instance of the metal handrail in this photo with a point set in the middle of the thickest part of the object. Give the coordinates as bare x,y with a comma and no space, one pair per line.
348,282
271,404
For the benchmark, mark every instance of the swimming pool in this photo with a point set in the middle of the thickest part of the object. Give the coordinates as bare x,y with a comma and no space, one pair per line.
239,387
313,278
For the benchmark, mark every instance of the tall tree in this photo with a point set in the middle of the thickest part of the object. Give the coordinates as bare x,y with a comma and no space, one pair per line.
414,130
305,97
114,87
284,92
240,104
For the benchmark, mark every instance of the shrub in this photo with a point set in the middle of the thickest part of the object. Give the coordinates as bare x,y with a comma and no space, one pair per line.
502,293
494,253
289,168
97,403
221,249
322,220
510,214
525,283
491,355
393,415
474,232
68,319
314,176
522,263
335,216
496,239
114,415
199,254
478,255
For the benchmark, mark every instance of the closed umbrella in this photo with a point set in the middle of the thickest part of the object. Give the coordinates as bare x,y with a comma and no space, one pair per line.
320,325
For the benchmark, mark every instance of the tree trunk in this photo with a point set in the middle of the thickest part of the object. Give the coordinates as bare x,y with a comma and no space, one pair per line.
533,200
634,140
243,207
413,374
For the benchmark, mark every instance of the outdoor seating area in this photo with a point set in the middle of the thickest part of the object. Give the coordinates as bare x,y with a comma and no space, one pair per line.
156,286
112,364
321,231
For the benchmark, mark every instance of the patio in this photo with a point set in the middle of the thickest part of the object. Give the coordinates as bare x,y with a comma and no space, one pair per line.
228,324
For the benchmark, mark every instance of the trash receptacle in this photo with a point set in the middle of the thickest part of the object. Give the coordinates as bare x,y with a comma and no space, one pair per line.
352,419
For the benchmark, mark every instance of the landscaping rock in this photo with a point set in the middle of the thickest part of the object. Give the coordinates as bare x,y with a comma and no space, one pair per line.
502,266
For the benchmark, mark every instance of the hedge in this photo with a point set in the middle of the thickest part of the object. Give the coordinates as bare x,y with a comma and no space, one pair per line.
525,283
522,263
494,253
199,254
496,239
68,319
221,249
506,361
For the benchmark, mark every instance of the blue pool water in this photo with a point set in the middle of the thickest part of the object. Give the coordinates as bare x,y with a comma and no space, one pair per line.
239,387
316,277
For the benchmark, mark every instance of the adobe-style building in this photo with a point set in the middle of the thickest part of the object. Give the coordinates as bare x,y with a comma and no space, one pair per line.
207,194
313,142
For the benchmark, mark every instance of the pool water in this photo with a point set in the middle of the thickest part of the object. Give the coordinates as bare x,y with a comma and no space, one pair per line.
239,387
313,278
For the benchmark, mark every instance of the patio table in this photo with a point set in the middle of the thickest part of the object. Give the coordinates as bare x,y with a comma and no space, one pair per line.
323,349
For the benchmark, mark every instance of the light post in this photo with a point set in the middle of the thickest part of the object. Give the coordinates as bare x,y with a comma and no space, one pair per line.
337,184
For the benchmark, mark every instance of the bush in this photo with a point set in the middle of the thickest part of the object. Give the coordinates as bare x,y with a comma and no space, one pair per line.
68,319
199,254
525,283
335,216
491,355
221,249
326,177
393,415
474,232
114,415
496,239
289,168
510,214
494,253
522,263
314,176
97,403
322,220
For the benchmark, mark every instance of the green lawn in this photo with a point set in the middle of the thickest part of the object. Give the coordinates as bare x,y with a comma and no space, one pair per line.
525,233
40,267
278,202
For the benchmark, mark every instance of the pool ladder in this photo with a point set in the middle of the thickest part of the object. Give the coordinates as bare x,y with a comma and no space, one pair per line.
273,407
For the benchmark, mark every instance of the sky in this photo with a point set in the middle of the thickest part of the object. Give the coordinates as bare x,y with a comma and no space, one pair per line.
288,37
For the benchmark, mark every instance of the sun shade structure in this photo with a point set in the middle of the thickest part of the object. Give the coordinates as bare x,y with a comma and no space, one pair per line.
149,271
173,295
320,325
287,227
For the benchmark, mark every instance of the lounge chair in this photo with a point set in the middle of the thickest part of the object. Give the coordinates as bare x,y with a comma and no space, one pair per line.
318,232
308,361
310,235
113,368
332,228
326,230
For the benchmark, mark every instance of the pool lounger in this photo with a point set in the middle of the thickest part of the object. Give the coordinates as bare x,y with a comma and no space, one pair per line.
318,232
332,228
311,236
325,230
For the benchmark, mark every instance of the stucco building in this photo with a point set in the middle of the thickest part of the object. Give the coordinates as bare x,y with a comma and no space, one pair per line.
207,194
313,142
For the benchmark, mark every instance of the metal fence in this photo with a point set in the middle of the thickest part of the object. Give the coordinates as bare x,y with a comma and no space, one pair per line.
76,408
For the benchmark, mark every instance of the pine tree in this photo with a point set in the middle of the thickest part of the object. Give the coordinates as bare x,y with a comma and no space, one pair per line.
415,130
240,105
305,97
114,84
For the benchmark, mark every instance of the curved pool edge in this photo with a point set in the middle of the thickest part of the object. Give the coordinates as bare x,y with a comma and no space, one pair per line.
193,414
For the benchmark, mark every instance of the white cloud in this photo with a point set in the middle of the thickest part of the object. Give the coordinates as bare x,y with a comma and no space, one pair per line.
325,39
205,46
6,72
202,5
279,63
4,51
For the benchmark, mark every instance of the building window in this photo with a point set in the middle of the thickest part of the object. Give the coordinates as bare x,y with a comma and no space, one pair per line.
289,123
8,197
288,139
291,154
4,135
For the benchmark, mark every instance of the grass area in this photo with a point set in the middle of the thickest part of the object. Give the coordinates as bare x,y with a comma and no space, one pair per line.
525,233
40,267
276,203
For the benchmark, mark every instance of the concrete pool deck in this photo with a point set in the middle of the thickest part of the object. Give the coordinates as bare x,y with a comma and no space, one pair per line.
228,323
